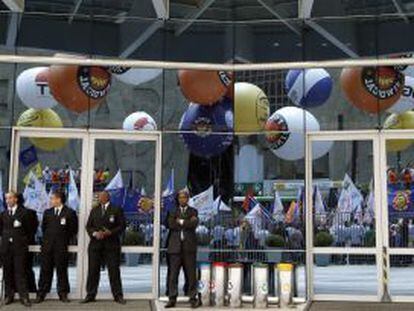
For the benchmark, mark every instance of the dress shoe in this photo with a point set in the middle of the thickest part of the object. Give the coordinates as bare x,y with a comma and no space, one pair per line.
194,303
8,300
39,299
64,298
88,299
170,304
26,302
120,300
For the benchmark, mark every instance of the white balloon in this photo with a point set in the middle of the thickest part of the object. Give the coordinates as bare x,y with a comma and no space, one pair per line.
406,101
32,87
135,76
139,121
291,123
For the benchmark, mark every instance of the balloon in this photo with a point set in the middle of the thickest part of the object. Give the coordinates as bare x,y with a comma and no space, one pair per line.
403,120
79,88
406,101
134,76
288,141
204,87
204,121
372,89
43,118
32,87
309,87
251,108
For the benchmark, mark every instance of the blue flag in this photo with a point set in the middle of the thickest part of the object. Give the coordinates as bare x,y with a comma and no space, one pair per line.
28,156
116,190
132,197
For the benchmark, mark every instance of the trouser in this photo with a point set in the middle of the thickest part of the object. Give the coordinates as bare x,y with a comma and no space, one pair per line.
31,280
51,259
15,278
111,258
188,262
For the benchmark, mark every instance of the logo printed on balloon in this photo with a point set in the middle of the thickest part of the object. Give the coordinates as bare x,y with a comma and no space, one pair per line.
383,82
140,123
202,126
401,201
225,78
41,81
94,81
403,67
118,69
277,123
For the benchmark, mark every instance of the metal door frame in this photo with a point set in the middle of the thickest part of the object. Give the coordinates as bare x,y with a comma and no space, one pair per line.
89,137
311,250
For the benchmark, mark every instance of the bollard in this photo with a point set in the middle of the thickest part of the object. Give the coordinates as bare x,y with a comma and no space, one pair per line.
218,289
260,285
204,284
235,285
285,285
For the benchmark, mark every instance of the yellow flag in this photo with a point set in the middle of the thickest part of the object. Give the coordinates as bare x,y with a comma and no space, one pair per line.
36,170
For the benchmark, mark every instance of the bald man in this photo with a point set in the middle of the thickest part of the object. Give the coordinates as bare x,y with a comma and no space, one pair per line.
105,226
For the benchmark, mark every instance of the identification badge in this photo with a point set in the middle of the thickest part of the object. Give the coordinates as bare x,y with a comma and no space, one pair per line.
112,219
63,221
17,224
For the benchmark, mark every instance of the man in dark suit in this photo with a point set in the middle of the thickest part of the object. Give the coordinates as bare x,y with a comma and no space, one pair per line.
182,249
31,280
15,230
59,225
106,224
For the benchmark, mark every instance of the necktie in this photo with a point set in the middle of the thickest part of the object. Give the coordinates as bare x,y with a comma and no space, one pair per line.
10,212
103,210
182,231
56,212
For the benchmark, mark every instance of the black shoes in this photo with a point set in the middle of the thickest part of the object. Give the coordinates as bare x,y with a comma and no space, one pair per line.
120,300
39,299
8,300
64,298
195,303
88,299
26,302
170,304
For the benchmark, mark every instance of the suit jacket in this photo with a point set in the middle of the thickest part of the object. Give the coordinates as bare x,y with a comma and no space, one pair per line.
58,230
174,243
113,220
16,229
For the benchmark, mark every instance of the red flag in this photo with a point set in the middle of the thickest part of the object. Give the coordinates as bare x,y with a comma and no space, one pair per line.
246,202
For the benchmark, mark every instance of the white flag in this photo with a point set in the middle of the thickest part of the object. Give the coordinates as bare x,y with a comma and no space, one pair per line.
255,219
116,182
204,202
219,205
355,196
73,193
370,210
319,206
278,212
35,195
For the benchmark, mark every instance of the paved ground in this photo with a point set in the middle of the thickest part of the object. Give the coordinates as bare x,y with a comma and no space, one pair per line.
141,305
346,306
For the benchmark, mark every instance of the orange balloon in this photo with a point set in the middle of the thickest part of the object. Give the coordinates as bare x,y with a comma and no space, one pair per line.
204,87
79,88
372,89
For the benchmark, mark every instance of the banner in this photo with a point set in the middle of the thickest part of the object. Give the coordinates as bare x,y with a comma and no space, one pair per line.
400,201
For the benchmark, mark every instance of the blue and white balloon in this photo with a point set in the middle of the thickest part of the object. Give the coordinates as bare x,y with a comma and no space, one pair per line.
406,101
203,128
308,88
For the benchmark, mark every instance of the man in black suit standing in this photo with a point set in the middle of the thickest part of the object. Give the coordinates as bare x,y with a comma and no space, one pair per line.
15,230
59,225
106,224
182,249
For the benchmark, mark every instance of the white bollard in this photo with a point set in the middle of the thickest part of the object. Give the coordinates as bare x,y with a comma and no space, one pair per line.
218,289
285,285
204,284
260,285
235,285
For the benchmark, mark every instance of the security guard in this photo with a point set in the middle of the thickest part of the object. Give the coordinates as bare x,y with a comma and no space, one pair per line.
106,224
59,225
15,230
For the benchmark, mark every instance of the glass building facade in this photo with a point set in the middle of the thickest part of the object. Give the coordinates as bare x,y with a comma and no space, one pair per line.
247,167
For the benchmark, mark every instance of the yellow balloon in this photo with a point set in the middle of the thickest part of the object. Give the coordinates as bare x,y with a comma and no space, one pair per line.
251,108
43,118
403,120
